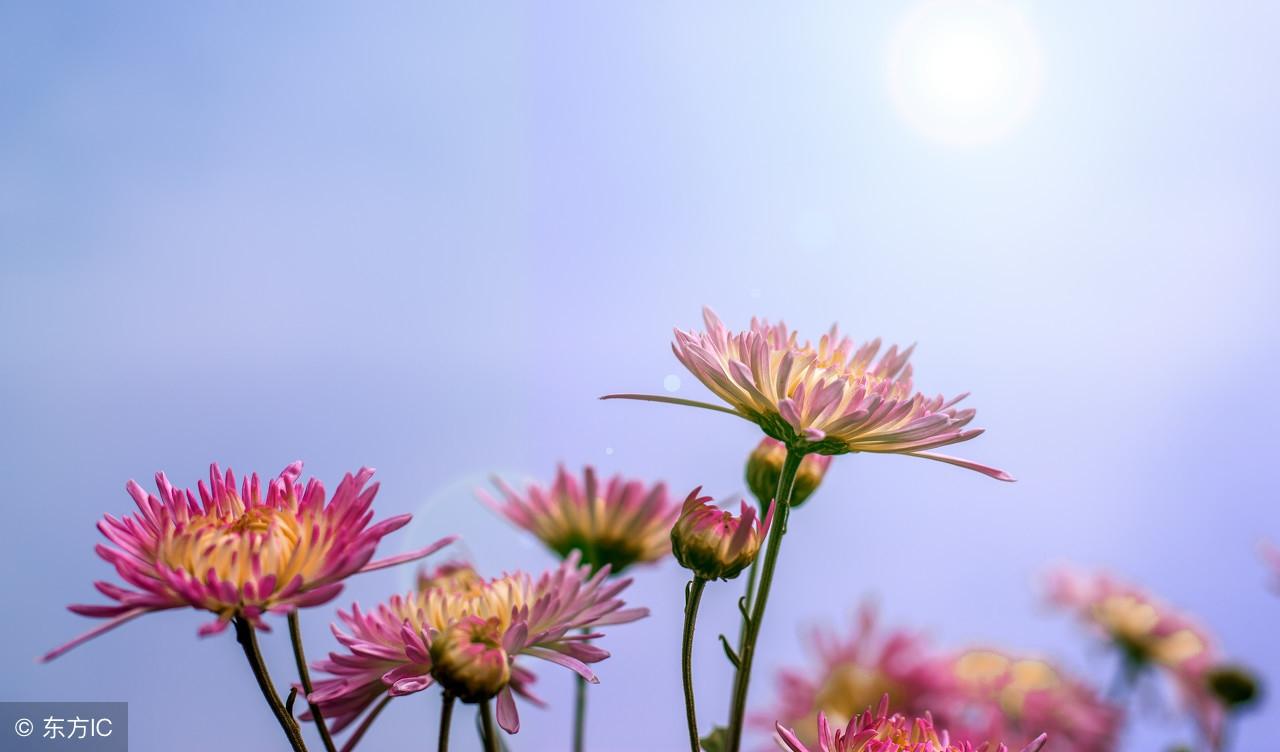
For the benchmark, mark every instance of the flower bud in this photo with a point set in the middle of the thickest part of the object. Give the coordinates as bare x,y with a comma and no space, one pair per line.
712,542
452,576
764,467
468,659
1235,686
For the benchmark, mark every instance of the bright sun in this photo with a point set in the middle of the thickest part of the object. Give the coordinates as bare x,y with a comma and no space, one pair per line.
964,72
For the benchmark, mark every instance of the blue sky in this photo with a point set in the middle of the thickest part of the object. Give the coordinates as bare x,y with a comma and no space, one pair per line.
425,237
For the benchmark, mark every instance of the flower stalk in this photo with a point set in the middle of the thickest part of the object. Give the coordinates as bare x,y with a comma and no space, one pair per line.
747,596
742,680
304,678
692,598
249,641
446,718
364,726
579,713
490,730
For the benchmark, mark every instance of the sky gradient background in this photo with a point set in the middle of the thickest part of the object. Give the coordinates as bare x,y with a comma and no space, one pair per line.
426,238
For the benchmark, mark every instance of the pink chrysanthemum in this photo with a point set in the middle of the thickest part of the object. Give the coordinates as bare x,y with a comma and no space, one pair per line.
712,542
239,554
625,522
829,398
881,732
1146,632
466,633
995,695
854,671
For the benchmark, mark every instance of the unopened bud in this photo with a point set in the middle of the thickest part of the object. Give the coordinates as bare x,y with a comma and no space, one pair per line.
1235,686
712,542
764,468
468,659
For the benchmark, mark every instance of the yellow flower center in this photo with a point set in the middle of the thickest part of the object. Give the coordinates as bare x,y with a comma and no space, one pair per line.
450,602
850,689
1133,623
228,543
1012,679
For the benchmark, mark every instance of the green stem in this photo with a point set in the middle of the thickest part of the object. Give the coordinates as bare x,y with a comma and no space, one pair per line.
747,596
446,716
490,734
742,680
579,713
304,676
359,733
249,641
580,707
692,597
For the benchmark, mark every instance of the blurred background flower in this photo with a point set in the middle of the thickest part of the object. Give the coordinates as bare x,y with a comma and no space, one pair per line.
1150,636
998,695
625,522
853,670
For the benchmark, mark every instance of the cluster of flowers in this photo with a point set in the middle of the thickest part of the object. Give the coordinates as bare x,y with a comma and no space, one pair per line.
1152,637
244,552
977,694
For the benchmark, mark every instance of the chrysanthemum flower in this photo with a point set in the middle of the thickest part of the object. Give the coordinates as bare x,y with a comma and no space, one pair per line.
1143,628
466,633
854,671
1000,696
828,398
881,732
713,543
1147,633
764,468
626,522
239,553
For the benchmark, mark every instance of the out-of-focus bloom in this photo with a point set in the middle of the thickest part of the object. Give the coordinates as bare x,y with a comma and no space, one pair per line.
461,630
1000,696
1147,633
764,467
881,732
854,671
828,398
626,522
714,544
453,576
1145,630
239,553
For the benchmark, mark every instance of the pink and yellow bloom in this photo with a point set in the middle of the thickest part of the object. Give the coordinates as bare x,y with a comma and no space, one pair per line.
713,543
996,695
621,523
764,468
881,732
239,553
828,398
1147,633
854,671
466,633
